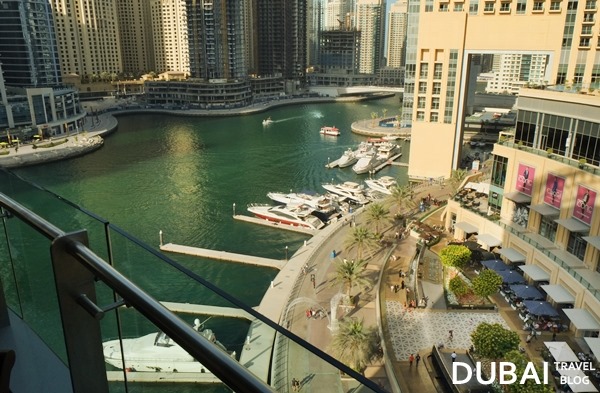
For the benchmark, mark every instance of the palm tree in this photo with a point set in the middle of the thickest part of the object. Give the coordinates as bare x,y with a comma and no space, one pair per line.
350,274
384,111
360,238
354,344
377,214
403,196
457,177
373,117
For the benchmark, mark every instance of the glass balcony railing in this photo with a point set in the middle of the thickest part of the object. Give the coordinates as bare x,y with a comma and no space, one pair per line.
79,289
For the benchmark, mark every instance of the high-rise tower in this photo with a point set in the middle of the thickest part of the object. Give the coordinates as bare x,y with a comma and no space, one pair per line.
88,37
28,50
170,35
396,37
369,21
443,36
217,34
135,29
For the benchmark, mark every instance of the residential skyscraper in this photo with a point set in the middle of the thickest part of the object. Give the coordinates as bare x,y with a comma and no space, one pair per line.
369,21
442,36
170,35
88,37
135,30
28,50
514,70
281,38
217,34
333,17
314,27
398,17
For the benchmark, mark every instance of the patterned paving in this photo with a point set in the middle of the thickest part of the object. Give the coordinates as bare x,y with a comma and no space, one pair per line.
413,331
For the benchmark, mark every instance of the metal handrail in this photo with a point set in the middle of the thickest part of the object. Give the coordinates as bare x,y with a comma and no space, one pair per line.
227,369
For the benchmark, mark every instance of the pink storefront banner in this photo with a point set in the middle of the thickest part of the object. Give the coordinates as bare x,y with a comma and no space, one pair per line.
584,204
554,190
525,178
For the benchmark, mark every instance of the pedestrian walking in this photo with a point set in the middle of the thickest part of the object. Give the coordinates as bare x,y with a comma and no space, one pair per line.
528,339
553,336
402,286
418,359
453,356
411,359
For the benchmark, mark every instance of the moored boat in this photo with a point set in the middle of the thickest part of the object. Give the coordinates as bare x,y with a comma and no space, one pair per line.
384,184
349,190
327,130
348,158
290,215
156,352
366,163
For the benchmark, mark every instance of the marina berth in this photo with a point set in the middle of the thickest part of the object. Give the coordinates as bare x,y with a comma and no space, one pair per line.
295,216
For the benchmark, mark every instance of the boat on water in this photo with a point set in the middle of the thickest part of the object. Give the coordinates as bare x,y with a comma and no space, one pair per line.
349,190
387,150
390,137
156,352
348,158
267,121
384,184
327,130
300,216
366,163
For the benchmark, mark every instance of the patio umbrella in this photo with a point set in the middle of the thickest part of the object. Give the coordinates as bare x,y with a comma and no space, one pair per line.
496,265
472,245
527,292
538,308
511,277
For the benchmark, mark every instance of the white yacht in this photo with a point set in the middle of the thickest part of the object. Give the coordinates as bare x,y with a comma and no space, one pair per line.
289,215
366,163
384,184
348,158
349,190
387,151
156,352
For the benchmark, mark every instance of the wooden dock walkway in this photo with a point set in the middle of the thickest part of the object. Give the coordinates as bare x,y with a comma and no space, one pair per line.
405,164
223,255
261,221
201,309
388,162
165,377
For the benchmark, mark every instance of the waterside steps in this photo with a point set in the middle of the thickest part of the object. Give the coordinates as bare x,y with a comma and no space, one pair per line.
223,255
262,221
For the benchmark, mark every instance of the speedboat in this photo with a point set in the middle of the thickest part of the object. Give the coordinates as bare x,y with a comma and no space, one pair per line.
300,216
156,352
349,190
267,121
366,163
348,158
326,130
384,184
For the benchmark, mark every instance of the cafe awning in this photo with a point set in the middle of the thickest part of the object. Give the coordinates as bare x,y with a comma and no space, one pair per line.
512,255
572,224
488,240
535,272
558,293
594,344
561,351
593,240
577,380
517,197
581,319
540,308
466,227
545,210
511,277
496,265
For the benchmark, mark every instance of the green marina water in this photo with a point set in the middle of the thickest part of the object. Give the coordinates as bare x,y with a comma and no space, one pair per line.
183,175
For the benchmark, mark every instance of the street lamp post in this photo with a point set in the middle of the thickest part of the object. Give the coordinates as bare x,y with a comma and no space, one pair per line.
286,253
234,209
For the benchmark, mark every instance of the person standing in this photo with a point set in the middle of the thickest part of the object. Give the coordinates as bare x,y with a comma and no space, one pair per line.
411,359
418,359
453,356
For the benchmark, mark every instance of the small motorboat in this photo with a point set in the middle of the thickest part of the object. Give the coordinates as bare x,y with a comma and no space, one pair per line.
267,121
333,131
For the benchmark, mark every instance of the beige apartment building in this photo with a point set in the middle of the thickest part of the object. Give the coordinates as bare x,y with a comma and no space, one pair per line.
541,210
449,32
88,37
397,34
137,49
170,36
